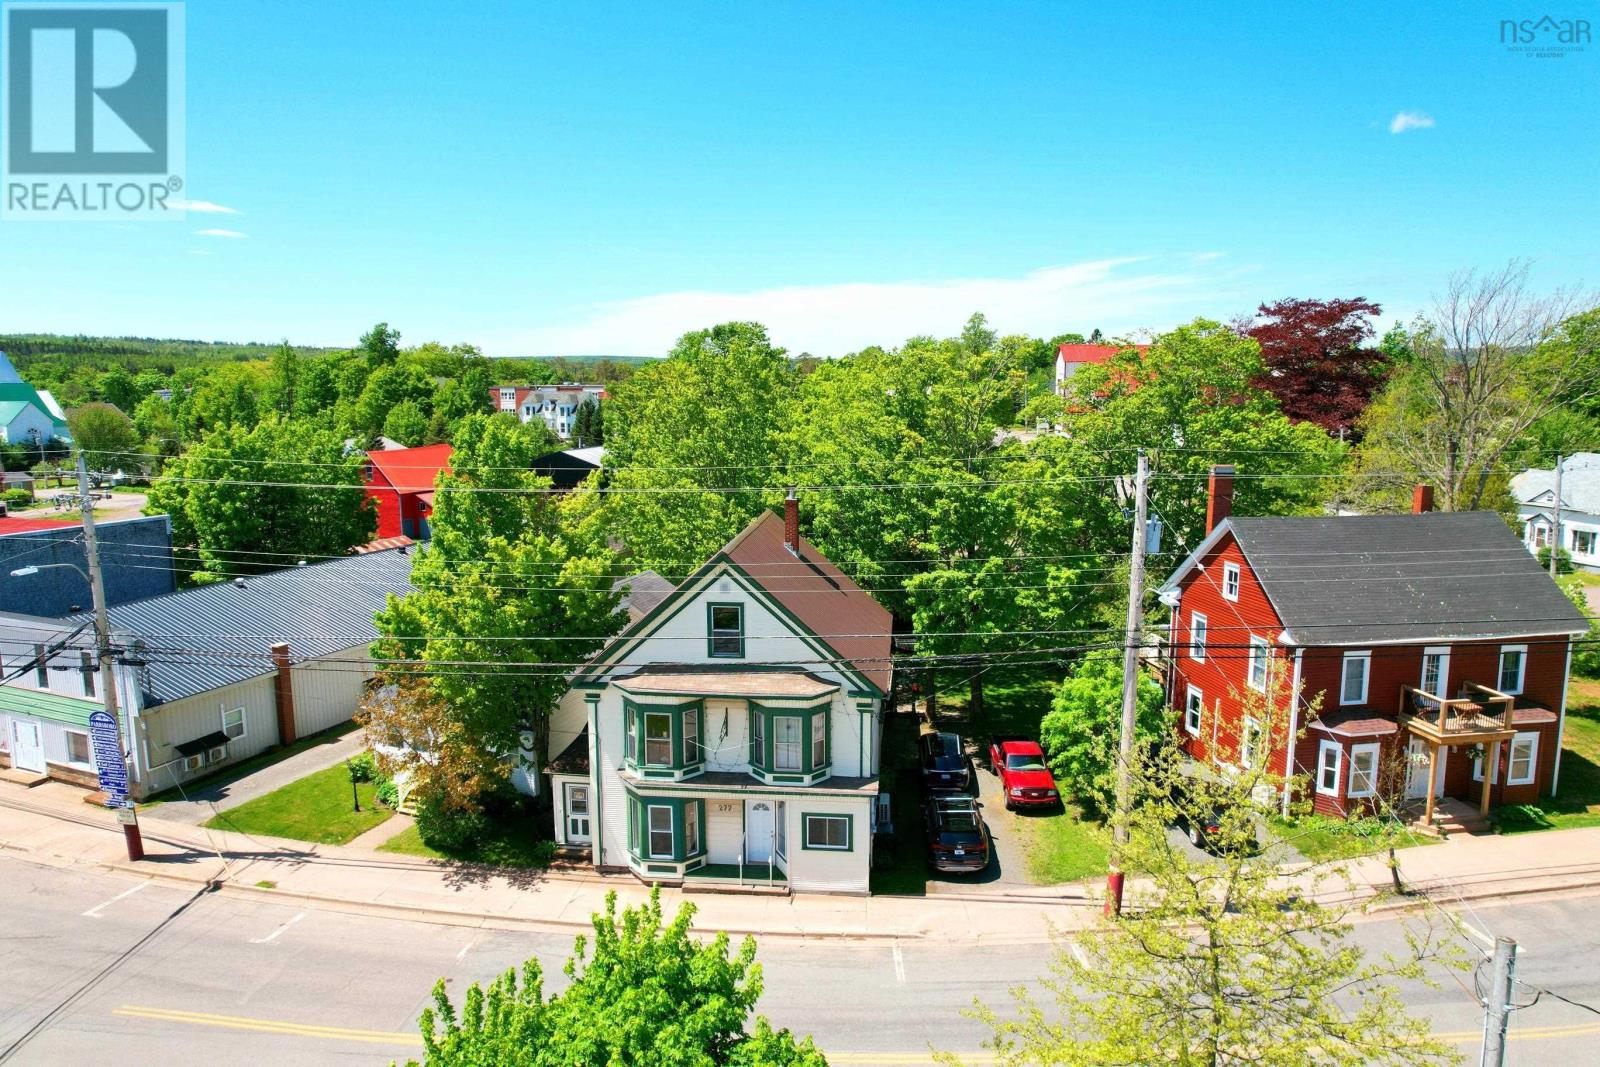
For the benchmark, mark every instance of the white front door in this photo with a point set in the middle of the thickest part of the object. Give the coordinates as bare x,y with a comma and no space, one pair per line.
1417,772
577,805
27,745
758,828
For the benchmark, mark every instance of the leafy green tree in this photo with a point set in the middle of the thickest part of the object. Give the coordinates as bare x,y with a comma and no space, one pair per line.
283,380
380,346
406,423
643,992
1190,402
1222,960
386,389
105,435
223,397
976,336
466,395
156,426
118,388
1079,732
511,578
281,487
316,389
1585,653
706,418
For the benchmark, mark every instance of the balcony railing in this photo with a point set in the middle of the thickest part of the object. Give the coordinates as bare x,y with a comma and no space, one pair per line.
1486,711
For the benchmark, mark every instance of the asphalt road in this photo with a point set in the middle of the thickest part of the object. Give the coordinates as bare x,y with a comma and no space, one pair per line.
95,967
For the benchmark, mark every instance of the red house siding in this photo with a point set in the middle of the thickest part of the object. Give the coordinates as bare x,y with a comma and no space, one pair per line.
1223,676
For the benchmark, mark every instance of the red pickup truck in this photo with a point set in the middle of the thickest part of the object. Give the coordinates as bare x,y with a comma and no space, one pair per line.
1024,777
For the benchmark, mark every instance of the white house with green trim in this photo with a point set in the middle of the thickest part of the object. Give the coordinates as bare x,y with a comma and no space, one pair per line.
732,731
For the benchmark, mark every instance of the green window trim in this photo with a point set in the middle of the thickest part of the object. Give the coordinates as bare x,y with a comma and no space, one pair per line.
685,737
732,637
849,821
764,730
681,814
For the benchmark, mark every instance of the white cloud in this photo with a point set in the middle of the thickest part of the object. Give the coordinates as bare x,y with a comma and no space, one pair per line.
205,207
1118,296
1410,120
201,252
231,234
1206,257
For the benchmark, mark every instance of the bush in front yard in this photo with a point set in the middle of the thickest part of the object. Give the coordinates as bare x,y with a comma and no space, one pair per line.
447,827
1079,732
363,767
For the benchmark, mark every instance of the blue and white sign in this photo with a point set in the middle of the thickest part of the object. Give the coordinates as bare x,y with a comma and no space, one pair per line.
107,745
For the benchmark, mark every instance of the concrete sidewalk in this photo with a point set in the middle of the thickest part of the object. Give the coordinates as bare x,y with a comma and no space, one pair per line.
52,825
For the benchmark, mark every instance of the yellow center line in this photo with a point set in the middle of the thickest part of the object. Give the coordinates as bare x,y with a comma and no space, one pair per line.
843,1059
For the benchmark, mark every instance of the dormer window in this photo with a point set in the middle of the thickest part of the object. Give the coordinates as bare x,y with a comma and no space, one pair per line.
726,626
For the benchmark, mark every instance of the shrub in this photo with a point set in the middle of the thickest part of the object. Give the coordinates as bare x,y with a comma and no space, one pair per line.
17,498
1563,560
449,828
1079,732
388,793
363,767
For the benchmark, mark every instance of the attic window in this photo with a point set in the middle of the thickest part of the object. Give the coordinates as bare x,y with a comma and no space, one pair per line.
725,624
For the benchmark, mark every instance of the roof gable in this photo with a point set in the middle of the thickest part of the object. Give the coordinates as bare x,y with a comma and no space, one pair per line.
805,592
411,470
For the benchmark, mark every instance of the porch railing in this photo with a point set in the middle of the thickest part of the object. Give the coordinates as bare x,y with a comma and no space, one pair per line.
1487,711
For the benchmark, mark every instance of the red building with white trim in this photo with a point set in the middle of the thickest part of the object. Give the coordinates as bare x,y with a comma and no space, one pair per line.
400,485
1397,649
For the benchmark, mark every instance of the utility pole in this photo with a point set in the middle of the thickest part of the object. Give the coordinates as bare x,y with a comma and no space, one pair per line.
1555,531
1497,1005
102,642
1130,687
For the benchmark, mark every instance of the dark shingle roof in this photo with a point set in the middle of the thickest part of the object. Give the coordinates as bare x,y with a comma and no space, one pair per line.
1375,579
202,639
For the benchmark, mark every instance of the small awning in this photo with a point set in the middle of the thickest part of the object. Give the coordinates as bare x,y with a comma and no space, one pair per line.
1355,722
51,707
202,744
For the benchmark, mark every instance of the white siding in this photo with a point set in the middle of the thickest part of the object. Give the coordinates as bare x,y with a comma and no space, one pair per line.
167,725
328,691
828,871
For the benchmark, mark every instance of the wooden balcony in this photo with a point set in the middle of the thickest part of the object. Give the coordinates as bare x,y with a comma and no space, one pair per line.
1483,716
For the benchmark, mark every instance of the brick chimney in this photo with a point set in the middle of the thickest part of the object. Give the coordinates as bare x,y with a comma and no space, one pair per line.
283,693
1219,496
1421,499
791,521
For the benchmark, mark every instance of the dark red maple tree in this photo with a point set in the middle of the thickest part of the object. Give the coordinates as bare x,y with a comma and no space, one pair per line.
1317,362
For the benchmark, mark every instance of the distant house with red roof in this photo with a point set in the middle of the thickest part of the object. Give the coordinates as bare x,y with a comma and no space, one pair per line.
400,486
1070,358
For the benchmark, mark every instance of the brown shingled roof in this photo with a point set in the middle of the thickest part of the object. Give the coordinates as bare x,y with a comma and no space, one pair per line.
818,593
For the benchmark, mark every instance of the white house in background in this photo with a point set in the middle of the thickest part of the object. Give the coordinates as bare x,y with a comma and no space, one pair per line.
732,731
1072,357
557,405
1535,492
28,416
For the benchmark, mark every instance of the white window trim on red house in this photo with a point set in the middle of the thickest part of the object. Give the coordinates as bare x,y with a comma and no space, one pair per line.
1345,697
1442,653
1328,770
1193,709
1522,668
1260,655
1230,581
1360,754
1199,627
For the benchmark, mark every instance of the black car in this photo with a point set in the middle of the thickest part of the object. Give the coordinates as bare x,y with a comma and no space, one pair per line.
1197,817
958,841
944,763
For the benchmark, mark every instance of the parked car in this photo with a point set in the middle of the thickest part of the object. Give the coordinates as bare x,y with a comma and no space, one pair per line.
1200,820
1024,777
958,840
944,763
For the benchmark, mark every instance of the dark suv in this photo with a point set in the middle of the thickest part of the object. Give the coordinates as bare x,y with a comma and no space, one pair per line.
958,841
944,763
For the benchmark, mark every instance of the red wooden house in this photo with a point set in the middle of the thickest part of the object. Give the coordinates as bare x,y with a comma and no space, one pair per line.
400,485
1397,650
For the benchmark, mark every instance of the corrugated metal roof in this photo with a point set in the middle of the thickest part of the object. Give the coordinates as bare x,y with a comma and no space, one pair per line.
202,639
40,704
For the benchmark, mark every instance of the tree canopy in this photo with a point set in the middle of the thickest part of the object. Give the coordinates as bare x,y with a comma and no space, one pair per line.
1315,359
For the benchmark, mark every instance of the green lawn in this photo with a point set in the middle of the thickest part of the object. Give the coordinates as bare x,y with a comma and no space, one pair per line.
1063,846
510,846
315,808
1579,802
1320,838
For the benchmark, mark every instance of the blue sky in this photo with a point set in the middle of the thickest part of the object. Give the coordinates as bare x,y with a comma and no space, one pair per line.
565,179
